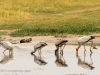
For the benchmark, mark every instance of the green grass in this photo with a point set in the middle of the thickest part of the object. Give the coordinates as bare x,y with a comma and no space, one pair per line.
51,17
2,33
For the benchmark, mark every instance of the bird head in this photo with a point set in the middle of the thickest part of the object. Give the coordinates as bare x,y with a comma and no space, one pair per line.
92,37
45,44
66,40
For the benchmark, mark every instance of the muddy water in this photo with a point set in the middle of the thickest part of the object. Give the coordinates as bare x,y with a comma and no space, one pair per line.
22,63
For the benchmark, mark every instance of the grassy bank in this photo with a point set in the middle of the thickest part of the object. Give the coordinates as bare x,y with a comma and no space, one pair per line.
52,17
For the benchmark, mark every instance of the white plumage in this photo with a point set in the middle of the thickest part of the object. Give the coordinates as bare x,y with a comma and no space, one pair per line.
82,41
7,45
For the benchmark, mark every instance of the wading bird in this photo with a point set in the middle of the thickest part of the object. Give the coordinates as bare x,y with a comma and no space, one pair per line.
60,44
7,45
38,47
82,41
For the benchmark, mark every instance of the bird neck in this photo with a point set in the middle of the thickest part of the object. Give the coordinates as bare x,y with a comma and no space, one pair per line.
56,51
78,46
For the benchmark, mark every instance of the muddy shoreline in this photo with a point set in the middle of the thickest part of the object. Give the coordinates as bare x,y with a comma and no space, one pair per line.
72,40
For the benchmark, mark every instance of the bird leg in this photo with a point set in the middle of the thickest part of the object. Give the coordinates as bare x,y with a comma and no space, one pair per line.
60,49
39,56
63,58
84,56
84,48
91,46
63,48
91,58
4,51
40,51
9,52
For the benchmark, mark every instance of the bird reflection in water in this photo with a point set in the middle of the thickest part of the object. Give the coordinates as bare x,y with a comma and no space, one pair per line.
60,61
7,59
84,64
38,60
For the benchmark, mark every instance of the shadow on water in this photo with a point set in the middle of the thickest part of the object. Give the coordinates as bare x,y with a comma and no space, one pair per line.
38,60
60,61
84,64
7,59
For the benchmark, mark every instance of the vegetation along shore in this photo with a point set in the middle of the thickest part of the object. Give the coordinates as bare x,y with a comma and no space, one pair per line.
51,17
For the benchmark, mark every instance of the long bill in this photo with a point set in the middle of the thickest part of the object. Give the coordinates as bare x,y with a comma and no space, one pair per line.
76,51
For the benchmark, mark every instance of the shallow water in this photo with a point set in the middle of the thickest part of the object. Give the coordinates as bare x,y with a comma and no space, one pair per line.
21,62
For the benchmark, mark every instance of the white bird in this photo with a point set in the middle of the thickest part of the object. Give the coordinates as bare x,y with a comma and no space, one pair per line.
82,41
7,45
60,44
38,47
